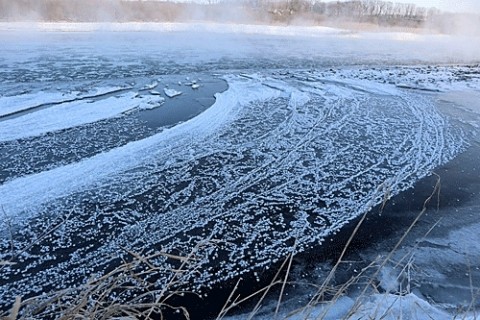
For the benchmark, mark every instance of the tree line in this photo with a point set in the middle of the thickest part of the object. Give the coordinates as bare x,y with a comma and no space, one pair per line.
281,11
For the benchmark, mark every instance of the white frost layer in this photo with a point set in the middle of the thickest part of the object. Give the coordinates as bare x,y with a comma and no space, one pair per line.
393,307
12,104
72,114
29,192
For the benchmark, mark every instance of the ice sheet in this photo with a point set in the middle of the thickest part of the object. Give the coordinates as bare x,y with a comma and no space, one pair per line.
280,160
16,103
71,114
277,160
375,307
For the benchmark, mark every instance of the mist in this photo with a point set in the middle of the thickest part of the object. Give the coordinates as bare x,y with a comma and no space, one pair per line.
318,33
360,15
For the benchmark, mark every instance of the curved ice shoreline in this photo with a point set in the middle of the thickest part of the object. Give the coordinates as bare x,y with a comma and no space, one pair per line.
274,166
27,193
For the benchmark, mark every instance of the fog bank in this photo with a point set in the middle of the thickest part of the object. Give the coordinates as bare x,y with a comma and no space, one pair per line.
357,14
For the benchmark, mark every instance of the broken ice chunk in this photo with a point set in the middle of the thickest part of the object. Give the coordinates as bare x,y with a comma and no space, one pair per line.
195,86
151,86
155,92
152,103
171,92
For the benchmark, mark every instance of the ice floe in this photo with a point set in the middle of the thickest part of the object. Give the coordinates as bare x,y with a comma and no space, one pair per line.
151,86
152,103
171,93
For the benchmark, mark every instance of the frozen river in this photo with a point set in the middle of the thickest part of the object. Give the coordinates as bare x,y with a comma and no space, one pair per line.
176,138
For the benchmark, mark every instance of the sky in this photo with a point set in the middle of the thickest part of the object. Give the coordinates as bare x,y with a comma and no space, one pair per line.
448,5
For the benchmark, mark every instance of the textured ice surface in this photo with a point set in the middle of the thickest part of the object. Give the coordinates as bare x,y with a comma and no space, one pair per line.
375,307
73,177
36,154
274,166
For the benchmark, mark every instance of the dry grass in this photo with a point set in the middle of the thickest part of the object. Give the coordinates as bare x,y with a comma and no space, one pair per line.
329,293
96,299
93,300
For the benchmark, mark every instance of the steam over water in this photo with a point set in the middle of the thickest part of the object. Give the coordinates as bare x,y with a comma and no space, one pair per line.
282,159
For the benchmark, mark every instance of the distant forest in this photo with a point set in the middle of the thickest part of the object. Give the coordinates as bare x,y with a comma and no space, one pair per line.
375,12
